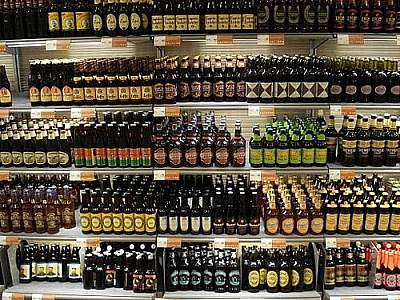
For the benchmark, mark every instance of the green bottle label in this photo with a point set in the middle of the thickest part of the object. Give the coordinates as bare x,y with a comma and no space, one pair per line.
308,155
320,155
269,156
282,156
295,156
256,156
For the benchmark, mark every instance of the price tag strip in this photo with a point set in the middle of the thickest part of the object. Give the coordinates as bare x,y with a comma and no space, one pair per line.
12,296
86,112
170,40
52,45
81,176
262,175
5,175
166,175
167,111
343,110
350,39
43,114
88,242
271,39
4,113
163,242
9,240
114,42
3,47
260,111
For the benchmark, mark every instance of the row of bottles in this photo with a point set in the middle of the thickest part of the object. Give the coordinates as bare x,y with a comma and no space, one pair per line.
200,267
48,263
120,265
278,270
387,266
321,79
347,266
41,205
367,141
137,204
291,142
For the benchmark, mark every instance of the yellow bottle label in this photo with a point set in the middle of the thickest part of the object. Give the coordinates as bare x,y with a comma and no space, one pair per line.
295,278
107,222
123,93
272,225
97,22
83,20
282,156
235,21
194,22
283,278
129,223
331,222
86,221
317,225
101,94
272,279
34,94
111,21
54,21
139,222
321,155
211,22
302,225
344,222
118,222
67,21
157,23
147,93
308,276
135,93
357,222
5,96
90,93
308,155
45,94
383,222
395,222
169,23
97,224
78,94
68,94
254,278
223,21
112,93
181,22
248,21
151,222
56,94
370,222
288,226
123,21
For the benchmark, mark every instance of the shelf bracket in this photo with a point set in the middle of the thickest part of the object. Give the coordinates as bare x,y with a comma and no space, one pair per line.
315,43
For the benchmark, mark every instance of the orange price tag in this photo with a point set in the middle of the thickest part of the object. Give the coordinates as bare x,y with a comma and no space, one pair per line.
88,112
58,45
119,42
17,296
3,47
12,240
172,111
232,243
267,111
47,114
48,297
93,243
4,175
277,39
349,110
224,39
268,175
173,40
171,174
174,243
356,39
4,112
347,174
278,243
342,242
87,175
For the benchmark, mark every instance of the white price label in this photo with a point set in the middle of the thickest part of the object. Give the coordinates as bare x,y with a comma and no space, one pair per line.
87,112
334,174
37,296
219,243
81,176
271,39
338,110
350,39
330,242
255,175
75,176
81,242
42,113
159,111
398,40
6,296
159,174
162,242
393,297
266,243
211,39
52,45
114,42
253,111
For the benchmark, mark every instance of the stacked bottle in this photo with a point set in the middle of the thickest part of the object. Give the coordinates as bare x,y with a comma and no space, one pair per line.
278,270
48,263
199,267
347,266
291,142
387,266
43,205
127,266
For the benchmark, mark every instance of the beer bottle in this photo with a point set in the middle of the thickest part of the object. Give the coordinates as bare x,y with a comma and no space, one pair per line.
219,83
210,16
171,87
223,16
293,16
50,209
230,85
145,16
169,21
173,215
77,86
111,18
349,145
391,144
351,16
160,148
184,271
68,82
139,214
282,149
17,149
240,75
53,158
184,80
68,22
310,16
364,18
150,275
107,212
331,217
316,219
53,16
184,215
273,272
323,15
393,77
329,281
344,215
97,18
285,284
193,16
339,16
96,214
181,17
378,144
370,214
41,26
117,213
157,22
280,15
28,150
309,274
85,214
208,80
349,269
150,215
19,20
295,149
25,268
377,17
248,16
383,215
238,147
264,15
83,19
321,149
172,270
135,19
222,148
363,144
357,219
287,223
123,18
111,147
235,15
175,149
195,79
123,146
256,148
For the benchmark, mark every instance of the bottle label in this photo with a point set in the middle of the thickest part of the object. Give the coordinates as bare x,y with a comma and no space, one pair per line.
308,90
25,272
376,19
112,157
308,276
157,23
266,90
160,156
68,94
295,278
63,158
282,156
206,224
219,89
211,22
256,156
67,21
184,277
380,90
321,156
195,89
83,21
173,224
323,14
272,279
136,21
175,156
230,89
183,89
151,222
163,223
52,268
29,158
97,224
357,221
123,93
235,21
41,269
366,89
170,91
223,21
184,224
123,157
288,226
34,94
139,222
112,93
247,21
239,156
222,156
317,225
207,89
52,221
40,222
241,89
17,158
322,89
206,155
263,276
56,94
280,90
191,156
90,93
111,22
129,225
135,157
45,94
310,14
272,225
331,222
97,22
395,90
234,278
6,158
78,94
254,278
383,222
137,282
74,270
181,22
54,21
339,16
219,225
365,19
351,16
293,14
123,21
390,280
295,156
28,221
336,89
294,90
284,278
53,158
145,21
370,221
330,276
169,23
194,22
344,222
195,223
302,225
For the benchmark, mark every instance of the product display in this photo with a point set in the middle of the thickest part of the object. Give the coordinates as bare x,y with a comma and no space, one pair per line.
278,270
123,265
291,142
387,266
198,267
347,266
48,263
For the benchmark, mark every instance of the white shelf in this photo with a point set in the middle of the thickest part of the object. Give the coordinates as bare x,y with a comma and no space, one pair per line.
74,291
359,293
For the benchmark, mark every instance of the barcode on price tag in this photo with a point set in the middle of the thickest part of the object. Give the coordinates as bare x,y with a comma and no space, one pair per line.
87,112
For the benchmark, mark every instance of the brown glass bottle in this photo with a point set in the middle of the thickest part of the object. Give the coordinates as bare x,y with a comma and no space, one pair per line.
16,213
302,220
27,212
331,216
391,144
287,222
370,214
316,219
5,216
238,147
357,219
68,23
344,217
349,145
53,225
53,159
54,19
377,16
378,144
77,85
111,18
39,212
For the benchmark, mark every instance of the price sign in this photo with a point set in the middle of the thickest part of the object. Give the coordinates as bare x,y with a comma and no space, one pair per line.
342,242
88,242
219,243
266,243
343,110
81,176
167,111
279,243
347,174
174,243
268,175
3,47
114,42
350,39
9,240
219,39
255,175
271,39
12,296
166,174
4,175
334,174
6,296
52,45
43,114
4,113
398,40
257,111
170,40
162,242
87,112
330,242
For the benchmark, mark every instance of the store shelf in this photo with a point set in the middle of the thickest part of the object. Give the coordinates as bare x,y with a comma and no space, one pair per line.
74,291
98,171
359,293
311,295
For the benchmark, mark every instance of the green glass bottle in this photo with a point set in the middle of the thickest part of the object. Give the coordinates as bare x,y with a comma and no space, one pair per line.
308,151
256,148
295,149
282,149
321,149
269,148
